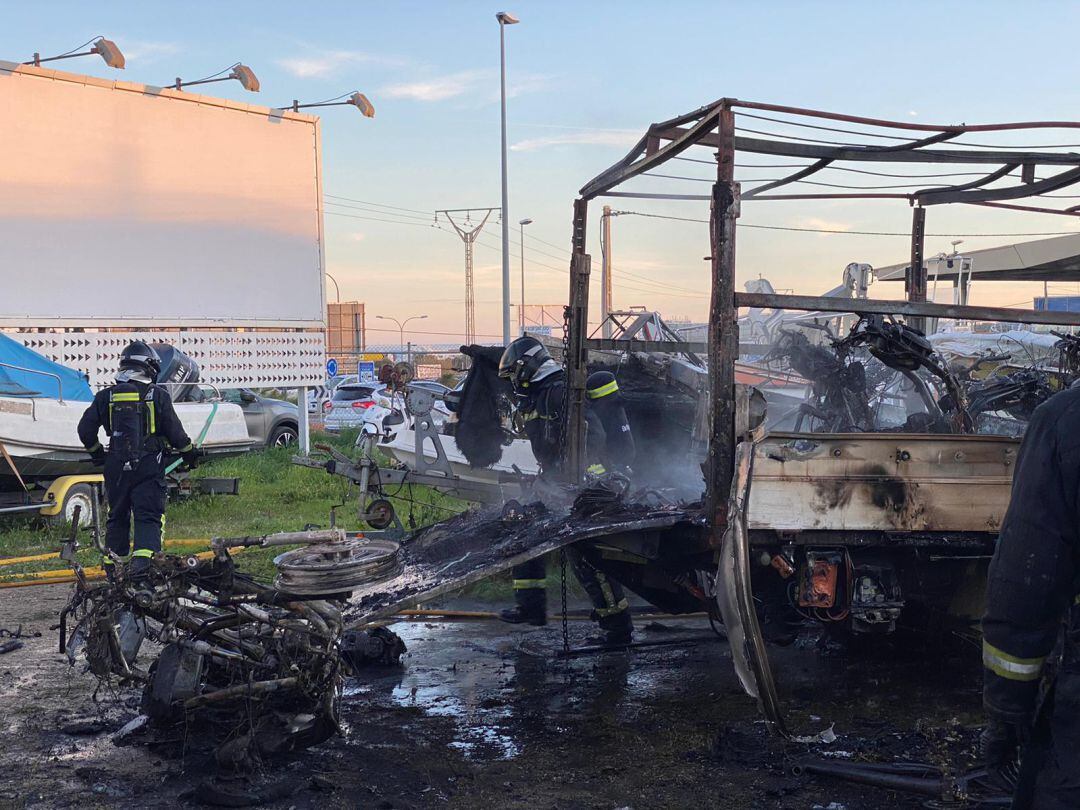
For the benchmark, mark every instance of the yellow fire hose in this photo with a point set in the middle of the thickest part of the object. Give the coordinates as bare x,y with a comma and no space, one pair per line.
62,576
52,555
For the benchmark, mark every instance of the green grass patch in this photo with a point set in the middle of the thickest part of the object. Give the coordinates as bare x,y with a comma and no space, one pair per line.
275,495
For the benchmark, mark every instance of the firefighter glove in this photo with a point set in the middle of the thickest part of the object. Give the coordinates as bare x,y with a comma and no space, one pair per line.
191,457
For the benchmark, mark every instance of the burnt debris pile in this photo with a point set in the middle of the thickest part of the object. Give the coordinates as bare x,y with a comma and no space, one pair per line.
257,670
886,376
455,553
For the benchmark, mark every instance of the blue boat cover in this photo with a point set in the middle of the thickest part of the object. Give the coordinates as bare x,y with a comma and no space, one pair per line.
15,383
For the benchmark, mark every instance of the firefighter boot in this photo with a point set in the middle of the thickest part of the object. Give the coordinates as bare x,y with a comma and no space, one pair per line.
618,628
531,607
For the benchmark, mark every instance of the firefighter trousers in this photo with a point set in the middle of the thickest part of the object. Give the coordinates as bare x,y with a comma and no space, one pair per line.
610,606
136,493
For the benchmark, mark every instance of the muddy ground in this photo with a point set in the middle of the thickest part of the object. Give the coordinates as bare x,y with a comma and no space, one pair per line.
485,715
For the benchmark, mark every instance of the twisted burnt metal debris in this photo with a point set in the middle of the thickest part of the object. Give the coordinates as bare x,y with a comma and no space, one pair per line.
853,378
1010,175
259,667
480,542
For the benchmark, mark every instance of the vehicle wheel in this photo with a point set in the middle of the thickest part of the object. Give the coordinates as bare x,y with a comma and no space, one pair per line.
380,514
77,494
282,436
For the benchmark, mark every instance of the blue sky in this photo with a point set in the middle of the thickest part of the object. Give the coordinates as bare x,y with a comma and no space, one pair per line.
586,77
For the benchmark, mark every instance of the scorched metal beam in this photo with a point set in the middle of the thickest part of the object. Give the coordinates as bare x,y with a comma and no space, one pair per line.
928,310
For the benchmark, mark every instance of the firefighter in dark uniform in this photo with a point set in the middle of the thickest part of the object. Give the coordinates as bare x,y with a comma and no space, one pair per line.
142,426
539,384
610,444
1034,585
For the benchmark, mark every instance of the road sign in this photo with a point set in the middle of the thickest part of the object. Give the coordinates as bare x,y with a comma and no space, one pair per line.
365,370
331,367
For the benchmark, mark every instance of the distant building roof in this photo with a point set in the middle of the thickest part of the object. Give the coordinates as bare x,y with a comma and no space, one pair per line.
1053,259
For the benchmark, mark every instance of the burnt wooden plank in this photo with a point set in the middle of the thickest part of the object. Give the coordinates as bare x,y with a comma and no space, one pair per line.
723,332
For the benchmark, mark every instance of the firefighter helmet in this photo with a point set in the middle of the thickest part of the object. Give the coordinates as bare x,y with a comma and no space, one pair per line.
526,362
141,358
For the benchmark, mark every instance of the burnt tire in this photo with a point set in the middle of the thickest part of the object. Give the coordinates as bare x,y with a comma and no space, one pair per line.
174,677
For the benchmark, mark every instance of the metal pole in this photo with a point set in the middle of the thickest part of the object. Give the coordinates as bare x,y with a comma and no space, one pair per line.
576,323
605,272
915,280
723,331
305,428
505,208
408,355
521,312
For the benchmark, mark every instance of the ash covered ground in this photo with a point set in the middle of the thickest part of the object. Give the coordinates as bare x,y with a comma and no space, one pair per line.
485,714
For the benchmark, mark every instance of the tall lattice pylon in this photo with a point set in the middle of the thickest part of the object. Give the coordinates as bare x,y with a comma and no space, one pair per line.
468,236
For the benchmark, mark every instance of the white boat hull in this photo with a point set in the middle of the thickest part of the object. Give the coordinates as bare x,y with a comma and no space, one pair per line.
403,448
40,435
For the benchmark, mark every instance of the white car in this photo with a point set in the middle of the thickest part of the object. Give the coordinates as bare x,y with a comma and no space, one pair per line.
318,396
393,402
348,405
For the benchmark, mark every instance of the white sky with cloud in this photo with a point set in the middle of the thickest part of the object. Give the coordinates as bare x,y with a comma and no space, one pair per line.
583,87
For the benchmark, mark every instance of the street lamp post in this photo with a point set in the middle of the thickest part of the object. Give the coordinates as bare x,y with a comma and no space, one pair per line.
242,73
337,289
521,314
401,327
105,48
355,99
505,18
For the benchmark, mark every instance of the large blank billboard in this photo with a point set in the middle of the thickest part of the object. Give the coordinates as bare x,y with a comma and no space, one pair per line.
127,205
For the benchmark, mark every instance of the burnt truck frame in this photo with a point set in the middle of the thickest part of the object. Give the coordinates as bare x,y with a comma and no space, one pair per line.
883,514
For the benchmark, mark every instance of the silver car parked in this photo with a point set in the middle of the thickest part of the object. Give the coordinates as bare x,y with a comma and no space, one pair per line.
348,405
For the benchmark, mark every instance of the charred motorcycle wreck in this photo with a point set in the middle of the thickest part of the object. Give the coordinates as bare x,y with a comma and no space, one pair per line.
257,669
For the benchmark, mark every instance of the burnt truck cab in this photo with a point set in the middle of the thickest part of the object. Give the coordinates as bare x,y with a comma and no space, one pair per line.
857,530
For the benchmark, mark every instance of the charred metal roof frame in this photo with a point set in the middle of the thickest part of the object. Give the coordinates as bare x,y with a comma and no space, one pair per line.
1009,175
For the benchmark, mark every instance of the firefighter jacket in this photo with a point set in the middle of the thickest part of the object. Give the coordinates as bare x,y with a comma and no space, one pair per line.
542,412
610,441
1032,581
138,418
609,444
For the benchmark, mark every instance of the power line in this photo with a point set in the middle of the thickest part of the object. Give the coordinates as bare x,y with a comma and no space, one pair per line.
744,165
371,210
627,286
834,169
424,332
795,137
436,226
380,205
549,244
376,219
818,126
662,284
806,182
853,233
900,138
